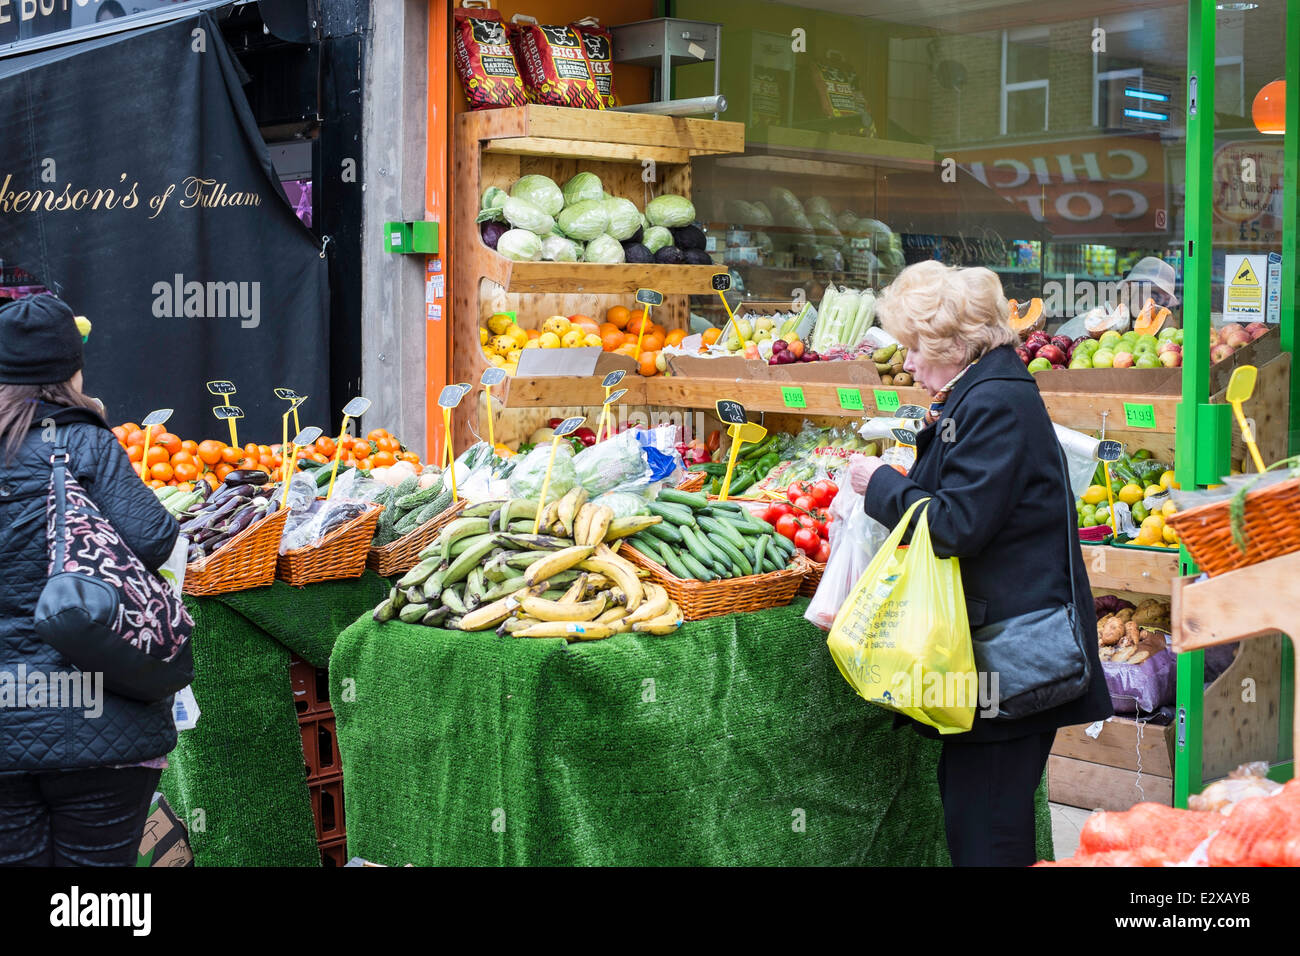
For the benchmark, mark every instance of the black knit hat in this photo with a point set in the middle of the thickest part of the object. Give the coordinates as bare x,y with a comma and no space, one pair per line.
39,341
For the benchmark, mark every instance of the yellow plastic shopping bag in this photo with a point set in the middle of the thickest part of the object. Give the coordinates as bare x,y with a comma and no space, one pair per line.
902,639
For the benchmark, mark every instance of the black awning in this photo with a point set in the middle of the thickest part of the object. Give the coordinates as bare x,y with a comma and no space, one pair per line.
134,183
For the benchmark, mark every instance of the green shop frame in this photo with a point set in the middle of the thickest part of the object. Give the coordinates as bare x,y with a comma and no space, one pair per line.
1203,431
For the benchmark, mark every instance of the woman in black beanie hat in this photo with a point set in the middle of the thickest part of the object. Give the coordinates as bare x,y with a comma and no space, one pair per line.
77,775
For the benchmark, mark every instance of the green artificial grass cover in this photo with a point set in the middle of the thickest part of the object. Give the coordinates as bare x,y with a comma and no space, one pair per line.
734,741
237,780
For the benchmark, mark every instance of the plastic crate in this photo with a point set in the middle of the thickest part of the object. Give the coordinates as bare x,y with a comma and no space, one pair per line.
320,748
334,852
327,808
311,688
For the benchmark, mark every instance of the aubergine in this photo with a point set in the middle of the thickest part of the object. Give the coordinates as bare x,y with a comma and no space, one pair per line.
247,476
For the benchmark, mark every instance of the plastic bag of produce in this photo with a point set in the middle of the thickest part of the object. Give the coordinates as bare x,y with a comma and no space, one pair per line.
616,464
1260,831
584,220
309,527
581,187
554,64
903,631
520,245
854,538
526,480
599,46
1248,780
485,60
624,504
1176,833
1146,686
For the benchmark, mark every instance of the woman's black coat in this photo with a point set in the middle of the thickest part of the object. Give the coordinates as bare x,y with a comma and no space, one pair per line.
54,738
999,504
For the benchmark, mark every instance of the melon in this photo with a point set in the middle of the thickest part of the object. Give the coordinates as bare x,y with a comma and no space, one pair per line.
1101,320
1150,319
1027,317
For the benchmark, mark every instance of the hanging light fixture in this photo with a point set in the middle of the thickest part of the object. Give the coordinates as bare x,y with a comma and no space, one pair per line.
1269,109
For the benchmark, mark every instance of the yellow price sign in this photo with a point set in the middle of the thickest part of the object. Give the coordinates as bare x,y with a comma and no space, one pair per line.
225,389
301,439
353,409
491,376
741,433
566,427
151,421
647,297
1240,387
1108,451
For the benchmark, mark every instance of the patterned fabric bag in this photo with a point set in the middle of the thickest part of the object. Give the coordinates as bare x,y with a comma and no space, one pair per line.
101,608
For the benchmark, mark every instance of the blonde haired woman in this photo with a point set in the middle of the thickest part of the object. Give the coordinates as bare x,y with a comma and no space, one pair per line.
988,460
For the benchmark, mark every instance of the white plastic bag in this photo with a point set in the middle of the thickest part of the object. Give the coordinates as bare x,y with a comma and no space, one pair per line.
855,537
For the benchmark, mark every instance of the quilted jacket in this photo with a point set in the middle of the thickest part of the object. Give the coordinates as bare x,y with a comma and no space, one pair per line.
66,737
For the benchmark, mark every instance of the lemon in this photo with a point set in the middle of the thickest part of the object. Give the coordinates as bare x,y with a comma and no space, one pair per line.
519,335
1169,509
1095,495
1148,535
499,323
1156,522
482,335
549,340
1150,490
1167,480
1130,494
1170,535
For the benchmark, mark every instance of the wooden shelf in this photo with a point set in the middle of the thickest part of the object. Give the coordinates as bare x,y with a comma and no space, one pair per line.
560,391
821,398
1131,569
773,148
589,277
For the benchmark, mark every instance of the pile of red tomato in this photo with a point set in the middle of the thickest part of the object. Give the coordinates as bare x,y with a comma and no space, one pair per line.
802,516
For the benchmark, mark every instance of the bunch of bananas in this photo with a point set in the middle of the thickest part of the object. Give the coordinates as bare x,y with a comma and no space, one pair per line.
487,569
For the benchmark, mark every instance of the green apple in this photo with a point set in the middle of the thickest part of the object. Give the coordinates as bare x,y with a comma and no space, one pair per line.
1089,346
1146,360
1107,337
1103,358
1080,361
1039,365
1148,342
1167,334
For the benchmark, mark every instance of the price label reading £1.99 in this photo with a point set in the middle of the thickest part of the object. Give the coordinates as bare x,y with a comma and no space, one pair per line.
793,396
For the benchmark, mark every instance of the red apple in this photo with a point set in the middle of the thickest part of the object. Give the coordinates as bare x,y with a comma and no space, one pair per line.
1063,343
1057,365
1172,358
1052,353
1024,354
1123,360
1256,329
1220,352
1164,347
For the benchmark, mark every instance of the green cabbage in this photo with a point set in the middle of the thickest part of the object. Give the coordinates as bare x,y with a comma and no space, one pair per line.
526,480
522,214
490,206
583,186
656,237
541,191
624,218
584,220
668,210
604,249
520,245
559,249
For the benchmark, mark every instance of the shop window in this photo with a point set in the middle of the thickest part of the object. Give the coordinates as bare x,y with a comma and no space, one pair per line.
1025,84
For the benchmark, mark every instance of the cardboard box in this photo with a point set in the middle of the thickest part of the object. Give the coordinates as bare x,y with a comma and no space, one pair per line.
165,841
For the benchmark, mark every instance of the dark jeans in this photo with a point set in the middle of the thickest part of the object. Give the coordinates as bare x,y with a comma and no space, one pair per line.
988,799
89,817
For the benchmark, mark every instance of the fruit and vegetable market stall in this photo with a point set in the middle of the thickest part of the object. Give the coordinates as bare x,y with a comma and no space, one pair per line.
733,740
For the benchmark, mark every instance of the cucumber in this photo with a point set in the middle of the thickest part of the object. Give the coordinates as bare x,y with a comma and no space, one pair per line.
677,514
727,506
690,499
784,543
722,570
695,546
696,569
779,557
710,547
724,530
673,562
760,548
665,532
736,556
648,546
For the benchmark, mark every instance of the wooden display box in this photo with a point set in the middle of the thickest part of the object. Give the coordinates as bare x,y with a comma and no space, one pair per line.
1130,761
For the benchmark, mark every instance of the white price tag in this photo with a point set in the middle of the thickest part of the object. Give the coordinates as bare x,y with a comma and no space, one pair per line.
185,709
1093,730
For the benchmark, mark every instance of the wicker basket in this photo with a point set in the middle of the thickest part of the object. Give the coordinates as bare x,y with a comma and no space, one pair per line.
341,554
401,555
701,599
812,576
244,562
693,481
1272,529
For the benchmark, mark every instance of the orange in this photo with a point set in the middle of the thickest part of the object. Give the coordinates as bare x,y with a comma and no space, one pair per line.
250,450
135,438
325,445
648,366
365,464
675,337
618,316
628,350
157,483
190,446
634,324
213,481
135,453
156,456
185,471
658,329
183,458
389,444
162,471
652,342
605,328
264,451
223,469
185,487
377,434
533,334
611,340
210,451
410,456
169,441
711,336
130,427
384,459
120,433
231,455
320,457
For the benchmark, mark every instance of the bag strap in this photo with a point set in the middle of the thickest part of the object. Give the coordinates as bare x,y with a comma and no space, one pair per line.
1071,538
58,484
